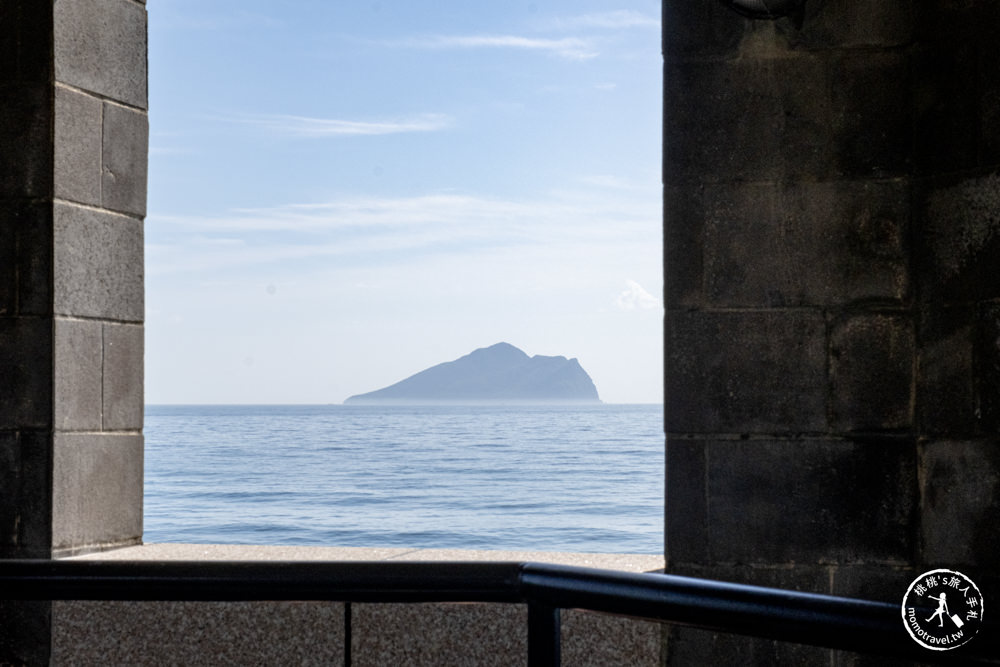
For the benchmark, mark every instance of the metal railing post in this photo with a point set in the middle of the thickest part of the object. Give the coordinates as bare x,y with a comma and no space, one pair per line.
544,641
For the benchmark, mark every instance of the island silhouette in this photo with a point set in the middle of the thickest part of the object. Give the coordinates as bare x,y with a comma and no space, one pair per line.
498,373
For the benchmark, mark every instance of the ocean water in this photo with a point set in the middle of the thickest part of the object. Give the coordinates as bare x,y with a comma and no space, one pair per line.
552,478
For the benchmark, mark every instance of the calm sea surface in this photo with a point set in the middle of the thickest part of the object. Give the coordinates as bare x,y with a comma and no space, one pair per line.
471,477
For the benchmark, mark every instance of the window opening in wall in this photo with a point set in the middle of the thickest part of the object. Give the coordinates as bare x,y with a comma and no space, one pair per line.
344,194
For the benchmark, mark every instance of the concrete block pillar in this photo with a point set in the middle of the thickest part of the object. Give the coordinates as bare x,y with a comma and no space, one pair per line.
73,144
832,231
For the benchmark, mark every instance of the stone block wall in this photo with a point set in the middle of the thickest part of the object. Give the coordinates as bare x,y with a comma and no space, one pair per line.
831,214
72,201
73,143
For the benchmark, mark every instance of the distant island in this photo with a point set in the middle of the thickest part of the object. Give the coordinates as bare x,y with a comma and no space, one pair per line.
495,374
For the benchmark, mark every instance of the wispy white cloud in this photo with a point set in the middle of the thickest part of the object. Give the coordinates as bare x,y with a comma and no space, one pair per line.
567,47
613,20
305,126
635,297
393,229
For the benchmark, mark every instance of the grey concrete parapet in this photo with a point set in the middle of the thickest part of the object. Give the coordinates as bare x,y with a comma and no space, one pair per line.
98,264
100,46
313,633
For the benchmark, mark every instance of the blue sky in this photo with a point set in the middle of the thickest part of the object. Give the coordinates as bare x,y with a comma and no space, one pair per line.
344,193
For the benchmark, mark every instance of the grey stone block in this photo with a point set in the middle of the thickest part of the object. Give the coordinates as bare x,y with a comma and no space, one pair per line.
958,240
98,264
946,116
686,506
768,119
25,511
26,140
810,244
123,377
987,369
872,581
745,372
989,106
197,633
96,491
126,142
25,258
78,375
871,373
841,24
77,147
683,234
25,42
26,368
691,646
811,501
871,125
25,632
100,46
960,495
946,382
692,28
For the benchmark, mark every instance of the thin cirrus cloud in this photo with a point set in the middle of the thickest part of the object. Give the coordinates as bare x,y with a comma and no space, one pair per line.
615,20
305,126
360,228
568,47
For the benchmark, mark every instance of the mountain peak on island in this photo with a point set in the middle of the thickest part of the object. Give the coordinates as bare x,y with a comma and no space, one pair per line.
498,373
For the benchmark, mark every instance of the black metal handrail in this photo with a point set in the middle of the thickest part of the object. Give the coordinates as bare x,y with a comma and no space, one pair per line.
806,618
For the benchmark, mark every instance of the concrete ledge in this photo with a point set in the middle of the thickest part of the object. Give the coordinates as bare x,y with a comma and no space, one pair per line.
175,551
212,633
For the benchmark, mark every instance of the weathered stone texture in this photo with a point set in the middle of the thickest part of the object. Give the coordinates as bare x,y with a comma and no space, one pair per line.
98,264
784,501
123,377
852,24
78,375
745,372
946,381
872,134
860,399
25,140
25,259
77,147
25,504
692,28
100,46
126,138
26,368
959,240
686,504
960,491
786,133
96,491
809,244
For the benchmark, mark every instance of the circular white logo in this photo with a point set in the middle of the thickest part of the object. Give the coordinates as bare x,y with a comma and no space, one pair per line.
942,609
